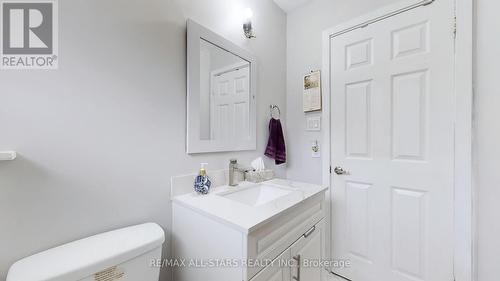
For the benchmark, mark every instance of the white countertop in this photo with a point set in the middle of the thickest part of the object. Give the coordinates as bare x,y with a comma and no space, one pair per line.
243,217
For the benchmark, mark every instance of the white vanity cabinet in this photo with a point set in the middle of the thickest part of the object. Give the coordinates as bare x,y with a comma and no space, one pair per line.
307,251
304,255
288,231
276,272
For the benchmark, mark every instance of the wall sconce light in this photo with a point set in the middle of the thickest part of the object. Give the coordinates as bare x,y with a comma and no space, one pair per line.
247,24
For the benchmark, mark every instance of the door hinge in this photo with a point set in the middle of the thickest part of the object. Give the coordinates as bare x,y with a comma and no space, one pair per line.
330,169
455,27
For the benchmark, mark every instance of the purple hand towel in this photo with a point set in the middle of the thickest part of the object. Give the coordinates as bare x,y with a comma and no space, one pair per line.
276,144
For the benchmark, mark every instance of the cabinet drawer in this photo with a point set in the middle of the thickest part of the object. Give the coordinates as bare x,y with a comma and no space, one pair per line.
277,271
309,247
270,240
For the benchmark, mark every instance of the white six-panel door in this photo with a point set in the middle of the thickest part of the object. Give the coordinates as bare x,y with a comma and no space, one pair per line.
392,114
230,105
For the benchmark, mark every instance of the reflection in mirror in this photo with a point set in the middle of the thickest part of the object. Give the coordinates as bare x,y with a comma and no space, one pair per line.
221,93
224,94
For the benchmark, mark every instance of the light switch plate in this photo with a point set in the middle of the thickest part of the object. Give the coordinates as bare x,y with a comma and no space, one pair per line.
313,123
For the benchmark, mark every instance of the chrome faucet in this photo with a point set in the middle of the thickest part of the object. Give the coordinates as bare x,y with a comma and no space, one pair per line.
235,167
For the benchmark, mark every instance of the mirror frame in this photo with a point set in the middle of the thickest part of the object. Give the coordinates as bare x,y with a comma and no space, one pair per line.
194,144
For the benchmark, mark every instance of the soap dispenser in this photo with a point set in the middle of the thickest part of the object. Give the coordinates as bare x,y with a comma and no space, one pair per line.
202,182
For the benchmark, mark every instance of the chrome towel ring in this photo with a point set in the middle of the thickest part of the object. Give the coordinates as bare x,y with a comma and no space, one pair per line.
273,109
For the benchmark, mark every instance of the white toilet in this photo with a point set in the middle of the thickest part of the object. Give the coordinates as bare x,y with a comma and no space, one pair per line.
127,254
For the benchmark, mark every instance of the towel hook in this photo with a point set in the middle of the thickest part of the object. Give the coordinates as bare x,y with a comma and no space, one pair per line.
272,109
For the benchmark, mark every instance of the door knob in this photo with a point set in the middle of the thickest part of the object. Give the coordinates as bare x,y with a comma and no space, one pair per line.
340,171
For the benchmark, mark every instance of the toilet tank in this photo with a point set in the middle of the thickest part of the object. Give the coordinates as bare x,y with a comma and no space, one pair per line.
125,254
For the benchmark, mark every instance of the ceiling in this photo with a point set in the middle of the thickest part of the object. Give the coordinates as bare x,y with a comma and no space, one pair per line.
289,5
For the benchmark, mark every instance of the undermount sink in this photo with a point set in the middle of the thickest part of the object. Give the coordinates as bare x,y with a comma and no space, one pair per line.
257,195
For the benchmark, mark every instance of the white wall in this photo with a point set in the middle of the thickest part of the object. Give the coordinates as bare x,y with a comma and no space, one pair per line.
487,139
304,46
100,138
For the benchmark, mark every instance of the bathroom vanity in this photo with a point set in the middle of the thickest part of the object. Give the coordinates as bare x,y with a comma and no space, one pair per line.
251,232
268,231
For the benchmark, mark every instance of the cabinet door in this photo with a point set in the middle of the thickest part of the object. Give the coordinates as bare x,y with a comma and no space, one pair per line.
307,254
279,270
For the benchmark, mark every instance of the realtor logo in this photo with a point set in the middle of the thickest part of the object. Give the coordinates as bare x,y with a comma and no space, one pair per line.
29,34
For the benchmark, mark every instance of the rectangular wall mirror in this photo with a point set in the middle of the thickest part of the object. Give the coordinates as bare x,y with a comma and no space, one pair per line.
221,93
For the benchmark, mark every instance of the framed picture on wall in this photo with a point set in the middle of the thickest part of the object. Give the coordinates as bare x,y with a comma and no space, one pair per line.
312,91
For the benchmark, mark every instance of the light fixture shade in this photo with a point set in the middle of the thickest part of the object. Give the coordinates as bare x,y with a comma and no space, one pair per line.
248,14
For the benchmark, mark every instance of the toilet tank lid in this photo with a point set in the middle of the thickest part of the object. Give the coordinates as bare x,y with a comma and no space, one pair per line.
82,258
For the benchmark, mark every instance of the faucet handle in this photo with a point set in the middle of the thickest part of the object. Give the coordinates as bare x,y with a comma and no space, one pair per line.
233,161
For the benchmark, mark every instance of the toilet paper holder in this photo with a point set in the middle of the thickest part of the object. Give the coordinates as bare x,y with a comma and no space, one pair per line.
7,155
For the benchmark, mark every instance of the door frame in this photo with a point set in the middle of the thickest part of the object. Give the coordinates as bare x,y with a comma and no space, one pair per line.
465,239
